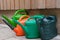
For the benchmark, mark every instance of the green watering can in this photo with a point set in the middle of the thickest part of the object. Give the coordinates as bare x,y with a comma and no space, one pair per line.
19,13
30,28
16,17
10,21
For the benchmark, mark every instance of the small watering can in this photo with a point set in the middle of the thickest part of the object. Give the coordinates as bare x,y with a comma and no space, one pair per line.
18,30
47,27
19,13
30,28
10,21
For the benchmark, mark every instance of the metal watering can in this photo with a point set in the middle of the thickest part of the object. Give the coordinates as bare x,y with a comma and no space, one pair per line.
18,30
19,13
47,27
30,28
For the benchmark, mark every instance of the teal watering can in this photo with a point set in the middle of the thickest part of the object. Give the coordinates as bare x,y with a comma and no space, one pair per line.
19,13
30,28
47,27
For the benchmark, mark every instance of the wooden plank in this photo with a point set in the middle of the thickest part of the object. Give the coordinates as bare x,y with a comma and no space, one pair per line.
41,4
22,4
12,5
57,3
16,4
2,4
27,4
50,3
8,4
33,4
5,4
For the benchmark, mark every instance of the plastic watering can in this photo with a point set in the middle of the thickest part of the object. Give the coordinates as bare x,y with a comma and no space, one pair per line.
30,28
10,21
47,27
18,30
19,13
22,21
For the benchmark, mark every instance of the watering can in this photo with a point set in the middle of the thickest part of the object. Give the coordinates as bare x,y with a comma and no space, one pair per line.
15,29
22,21
18,30
10,21
47,27
30,28
19,13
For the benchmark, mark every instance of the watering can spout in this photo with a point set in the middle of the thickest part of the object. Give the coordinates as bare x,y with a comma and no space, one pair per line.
23,27
9,20
11,27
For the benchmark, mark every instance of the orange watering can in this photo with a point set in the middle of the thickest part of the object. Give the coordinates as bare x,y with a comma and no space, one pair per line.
19,31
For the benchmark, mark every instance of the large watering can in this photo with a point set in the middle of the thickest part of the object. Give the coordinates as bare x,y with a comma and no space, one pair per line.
47,27
19,13
30,28
18,30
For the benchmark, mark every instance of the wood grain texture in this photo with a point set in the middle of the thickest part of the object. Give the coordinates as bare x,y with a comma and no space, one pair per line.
8,4
50,3
1,4
12,4
41,4
5,4
21,4
17,4
27,4
57,3
33,4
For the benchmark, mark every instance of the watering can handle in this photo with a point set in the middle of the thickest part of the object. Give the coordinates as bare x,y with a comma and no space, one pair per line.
21,10
24,16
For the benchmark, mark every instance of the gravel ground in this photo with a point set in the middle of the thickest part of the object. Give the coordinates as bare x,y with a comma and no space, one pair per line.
7,34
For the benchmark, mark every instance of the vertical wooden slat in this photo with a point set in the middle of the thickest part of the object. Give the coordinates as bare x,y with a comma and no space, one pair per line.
5,4
1,4
12,4
33,4
8,4
27,4
41,4
21,4
50,3
57,3
16,4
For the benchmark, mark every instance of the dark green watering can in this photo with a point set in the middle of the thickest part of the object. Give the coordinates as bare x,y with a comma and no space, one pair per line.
30,27
47,27
19,13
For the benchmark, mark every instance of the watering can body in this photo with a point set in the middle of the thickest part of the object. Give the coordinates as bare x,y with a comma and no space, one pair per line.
19,31
30,28
47,27
19,13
